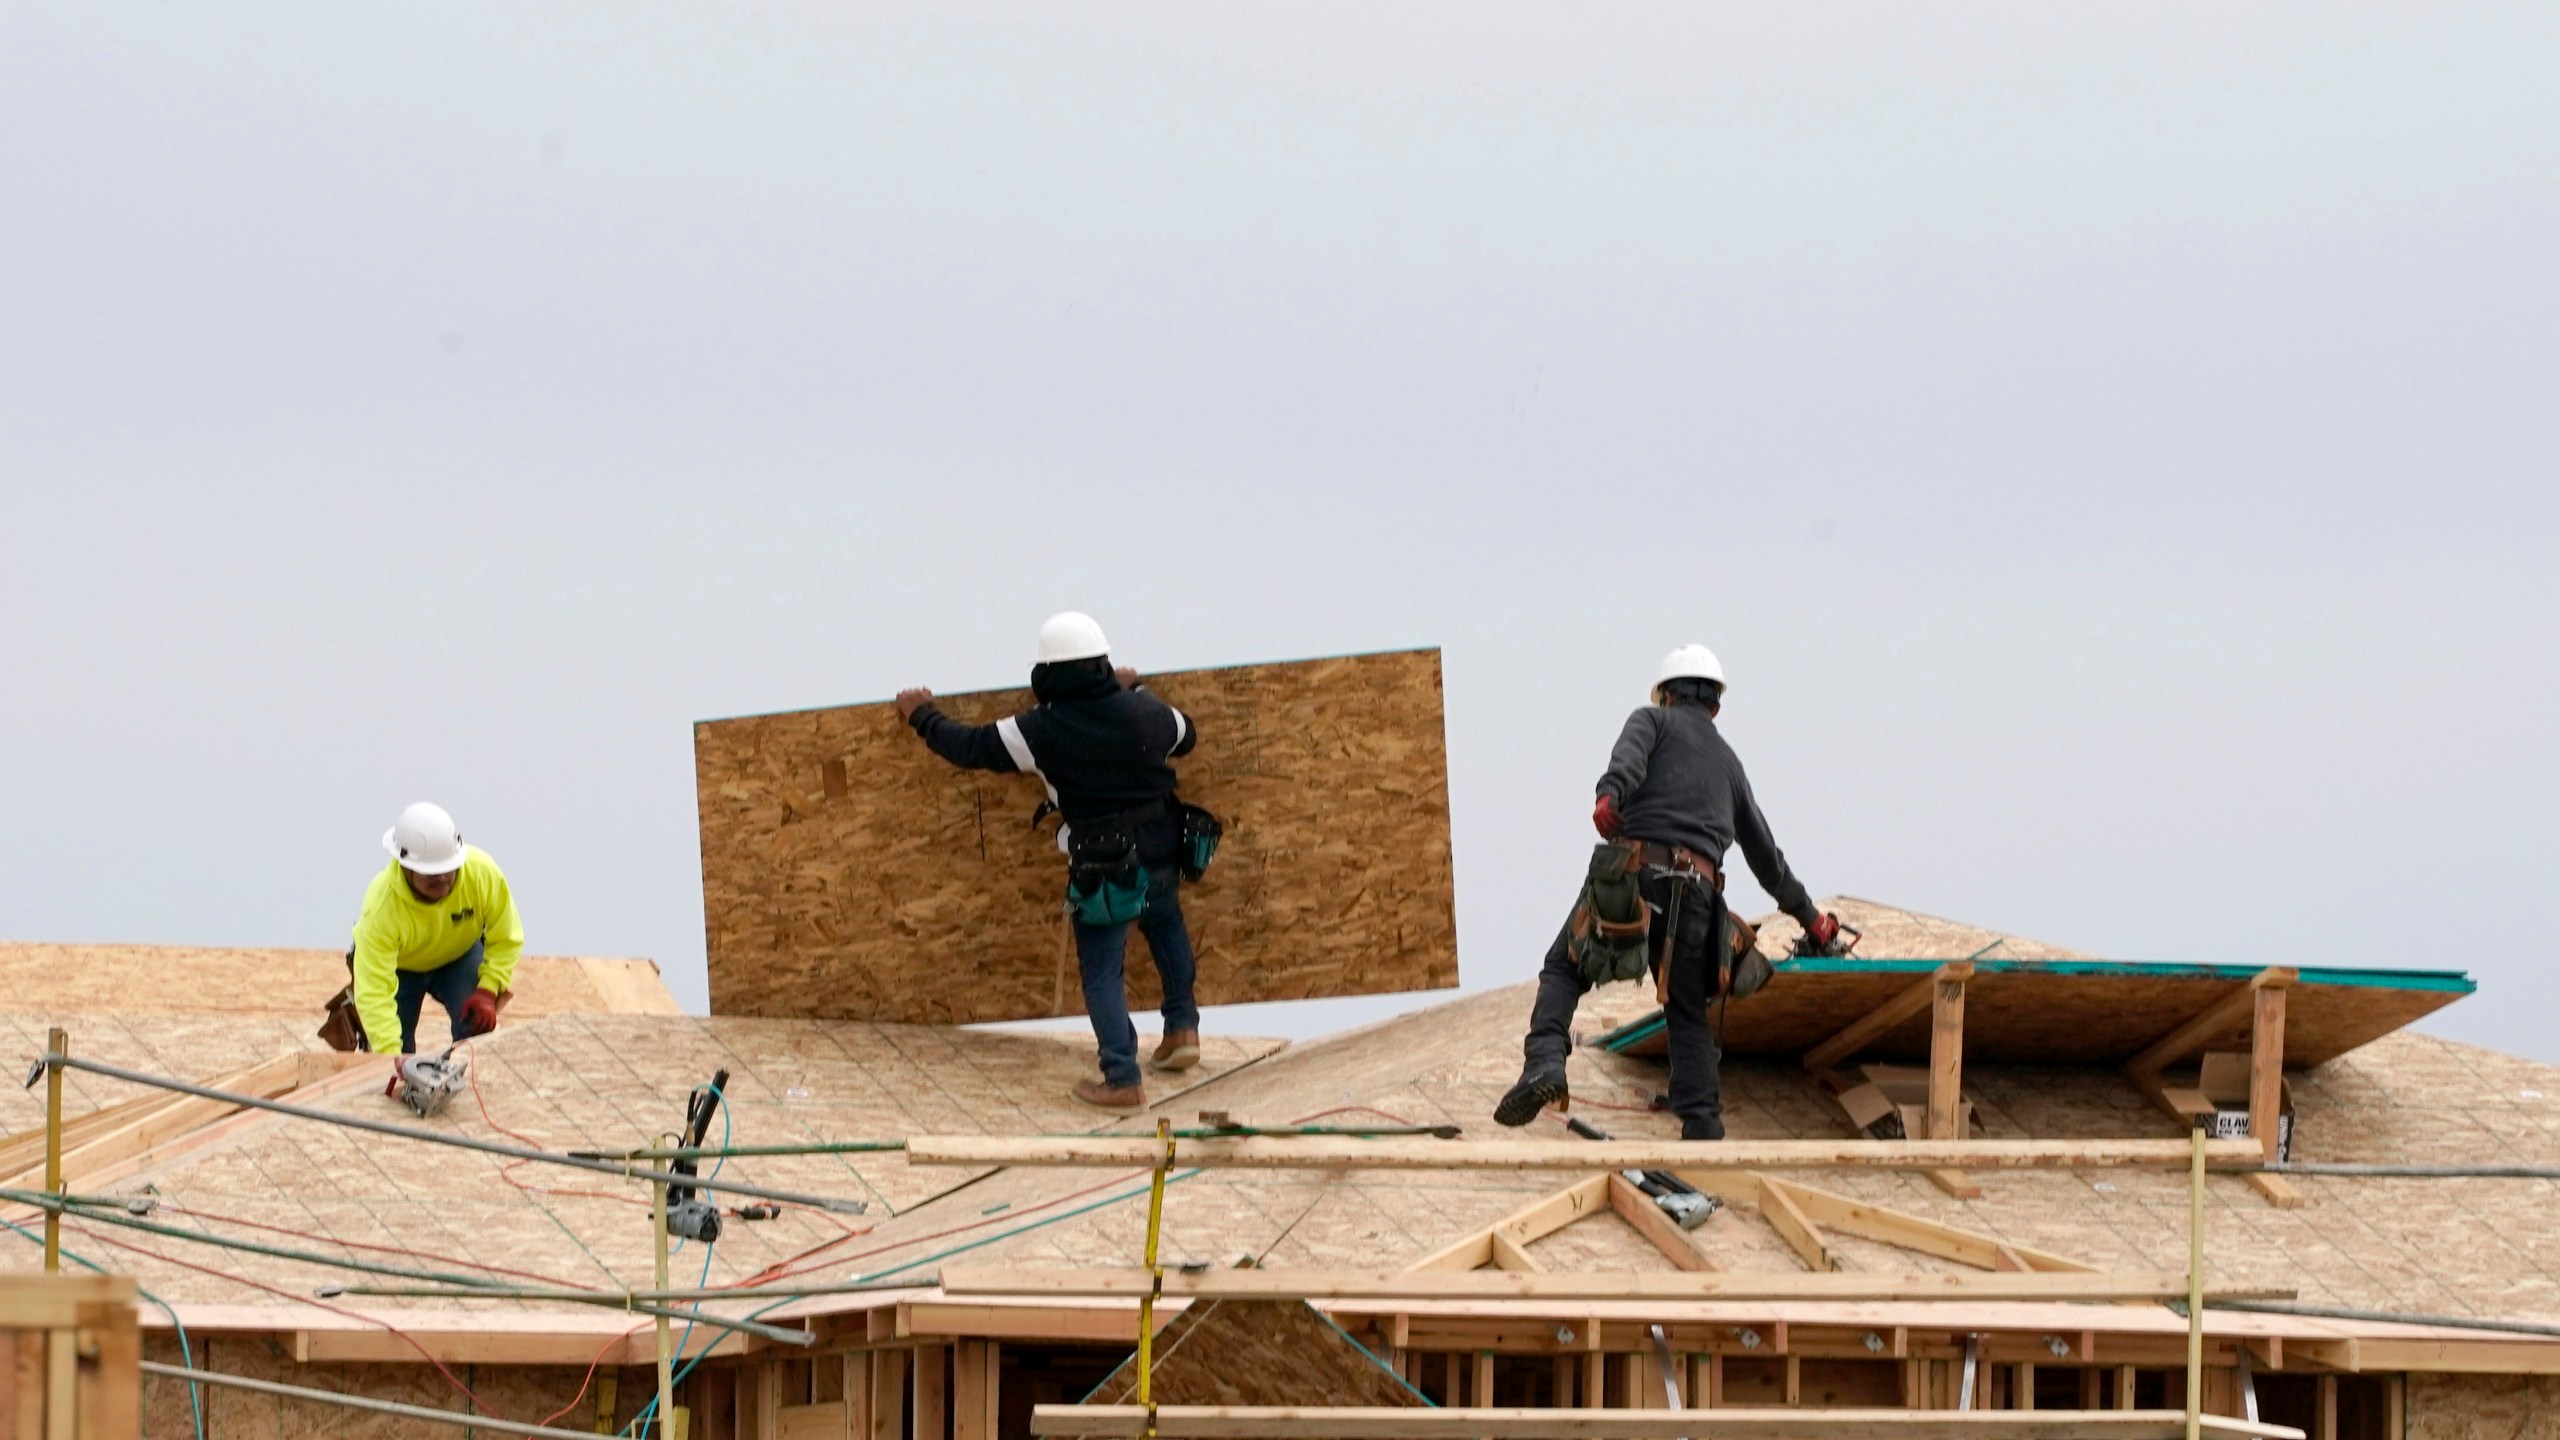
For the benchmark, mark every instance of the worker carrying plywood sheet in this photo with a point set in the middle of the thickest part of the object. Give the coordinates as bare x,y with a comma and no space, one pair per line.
439,921
1674,800
1105,749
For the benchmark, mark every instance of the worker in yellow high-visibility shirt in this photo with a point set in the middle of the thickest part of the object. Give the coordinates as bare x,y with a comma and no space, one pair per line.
437,921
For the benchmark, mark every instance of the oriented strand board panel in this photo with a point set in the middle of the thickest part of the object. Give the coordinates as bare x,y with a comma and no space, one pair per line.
2035,1004
168,979
850,873
1258,1352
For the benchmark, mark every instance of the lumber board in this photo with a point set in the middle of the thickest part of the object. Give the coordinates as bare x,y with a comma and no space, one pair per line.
1779,1207
1237,1422
1526,1225
848,873
1661,1231
1323,1153
1870,1221
1650,1285
2214,1021
1880,1021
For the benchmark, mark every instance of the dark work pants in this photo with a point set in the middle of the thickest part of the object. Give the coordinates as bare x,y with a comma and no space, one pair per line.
1697,1095
451,983
1102,956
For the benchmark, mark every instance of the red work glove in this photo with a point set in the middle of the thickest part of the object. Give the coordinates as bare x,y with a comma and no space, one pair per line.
479,1013
1824,930
1604,817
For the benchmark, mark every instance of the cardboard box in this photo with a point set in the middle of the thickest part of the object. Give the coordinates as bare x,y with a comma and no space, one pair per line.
1891,1102
2222,1077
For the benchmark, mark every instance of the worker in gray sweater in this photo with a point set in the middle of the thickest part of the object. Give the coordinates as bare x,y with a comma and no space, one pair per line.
1675,791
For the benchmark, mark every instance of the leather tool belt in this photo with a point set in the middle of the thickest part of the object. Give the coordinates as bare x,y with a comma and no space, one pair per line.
1659,856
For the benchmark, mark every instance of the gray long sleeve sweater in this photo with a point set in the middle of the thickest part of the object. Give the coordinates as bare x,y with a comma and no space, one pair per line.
1677,782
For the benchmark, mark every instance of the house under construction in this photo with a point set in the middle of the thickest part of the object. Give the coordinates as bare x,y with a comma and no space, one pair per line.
1955,1199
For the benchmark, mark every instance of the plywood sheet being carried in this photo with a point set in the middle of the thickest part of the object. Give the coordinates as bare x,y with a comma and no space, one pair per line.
849,873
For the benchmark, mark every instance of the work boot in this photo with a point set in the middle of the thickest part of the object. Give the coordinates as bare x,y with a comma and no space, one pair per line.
1709,1128
1105,1096
1179,1051
1540,1086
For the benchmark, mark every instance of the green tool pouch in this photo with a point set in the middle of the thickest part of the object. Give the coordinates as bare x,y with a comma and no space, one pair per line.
1745,968
1201,832
1610,919
1105,883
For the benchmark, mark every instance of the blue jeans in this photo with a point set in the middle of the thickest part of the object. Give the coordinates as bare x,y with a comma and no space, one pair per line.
451,983
1101,953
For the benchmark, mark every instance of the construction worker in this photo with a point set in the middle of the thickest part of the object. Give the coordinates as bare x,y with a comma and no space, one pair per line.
1675,790
1105,749
437,921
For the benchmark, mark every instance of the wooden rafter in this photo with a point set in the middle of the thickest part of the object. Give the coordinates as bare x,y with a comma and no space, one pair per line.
1869,1221
1522,1227
1876,1023
1659,1229
2220,1018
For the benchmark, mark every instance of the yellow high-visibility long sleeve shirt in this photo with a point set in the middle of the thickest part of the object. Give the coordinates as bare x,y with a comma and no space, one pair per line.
398,931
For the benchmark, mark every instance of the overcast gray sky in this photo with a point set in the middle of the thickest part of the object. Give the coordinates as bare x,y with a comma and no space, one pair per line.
2112,447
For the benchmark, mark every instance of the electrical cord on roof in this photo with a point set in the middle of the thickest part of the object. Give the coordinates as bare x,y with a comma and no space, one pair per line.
186,1351
403,1336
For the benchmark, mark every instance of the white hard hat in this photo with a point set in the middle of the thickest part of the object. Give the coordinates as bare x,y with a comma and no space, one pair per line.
1689,662
425,841
1071,635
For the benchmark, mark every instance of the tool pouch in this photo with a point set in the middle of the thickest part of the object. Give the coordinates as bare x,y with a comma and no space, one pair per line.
1105,883
1201,832
341,1028
1745,968
1606,935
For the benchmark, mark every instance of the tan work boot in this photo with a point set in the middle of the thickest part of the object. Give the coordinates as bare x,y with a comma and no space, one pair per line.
1180,1050
1111,1097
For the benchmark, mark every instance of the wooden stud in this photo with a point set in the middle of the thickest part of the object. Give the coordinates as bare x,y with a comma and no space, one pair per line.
1946,1077
1595,1374
932,1364
2088,1387
2324,1422
854,1368
768,1407
1795,1381
2395,1407
2022,1386
1872,1026
974,1390
1481,1391
888,1393
2124,1387
2266,1093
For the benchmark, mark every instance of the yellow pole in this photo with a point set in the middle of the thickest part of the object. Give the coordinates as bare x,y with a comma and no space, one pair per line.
666,1348
57,1043
1155,1280
2195,1285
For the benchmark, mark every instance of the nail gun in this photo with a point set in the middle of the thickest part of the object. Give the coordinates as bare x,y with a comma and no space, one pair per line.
428,1084
1686,1204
